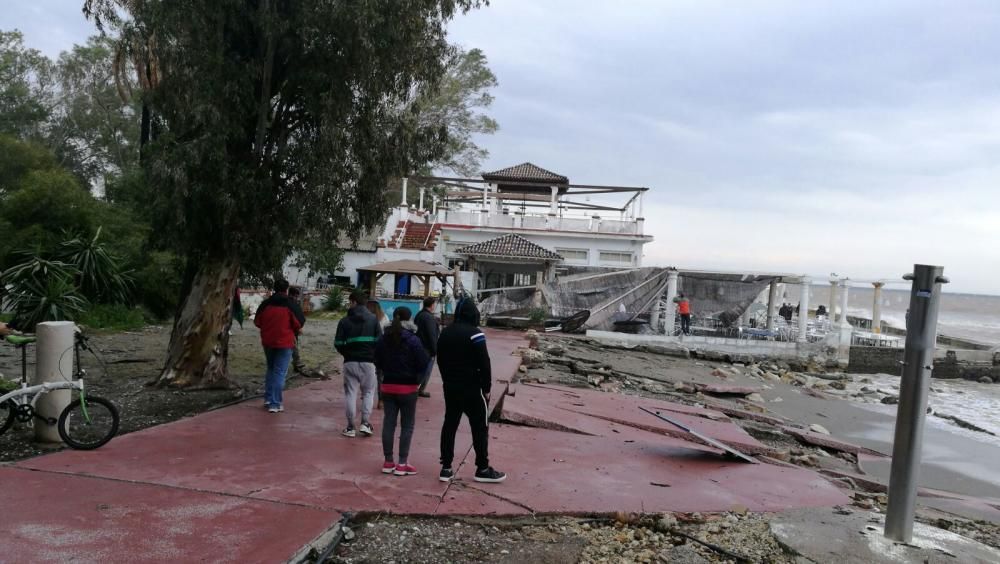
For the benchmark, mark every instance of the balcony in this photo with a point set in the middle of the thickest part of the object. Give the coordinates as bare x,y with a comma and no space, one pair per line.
593,224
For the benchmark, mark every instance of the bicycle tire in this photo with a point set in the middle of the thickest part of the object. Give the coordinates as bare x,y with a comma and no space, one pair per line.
6,420
74,409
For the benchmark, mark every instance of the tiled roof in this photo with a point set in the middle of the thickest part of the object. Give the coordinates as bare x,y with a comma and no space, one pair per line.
526,172
509,246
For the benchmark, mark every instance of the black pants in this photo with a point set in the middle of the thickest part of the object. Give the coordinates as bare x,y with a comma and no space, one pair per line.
405,406
686,323
472,404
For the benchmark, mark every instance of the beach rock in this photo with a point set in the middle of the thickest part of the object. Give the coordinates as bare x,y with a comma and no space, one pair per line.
817,428
720,373
777,400
986,380
838,385
666,522
755,397
890,400
683,554
771,376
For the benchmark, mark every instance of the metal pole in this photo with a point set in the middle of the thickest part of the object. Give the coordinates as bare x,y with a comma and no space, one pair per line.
918,361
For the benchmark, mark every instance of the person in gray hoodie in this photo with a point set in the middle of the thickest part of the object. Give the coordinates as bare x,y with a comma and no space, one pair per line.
355,340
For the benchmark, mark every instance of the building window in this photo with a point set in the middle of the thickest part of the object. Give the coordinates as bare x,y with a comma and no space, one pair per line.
616,257
575,255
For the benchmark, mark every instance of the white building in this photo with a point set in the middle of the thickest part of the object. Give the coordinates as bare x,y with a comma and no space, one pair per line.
585,225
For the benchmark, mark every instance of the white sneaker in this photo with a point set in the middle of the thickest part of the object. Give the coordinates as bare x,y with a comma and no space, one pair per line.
273,409
348,433
366,430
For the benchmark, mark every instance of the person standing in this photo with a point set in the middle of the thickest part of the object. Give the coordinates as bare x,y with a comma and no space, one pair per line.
464,362
401,358
684,309
295,294
429,332
355,340
279,320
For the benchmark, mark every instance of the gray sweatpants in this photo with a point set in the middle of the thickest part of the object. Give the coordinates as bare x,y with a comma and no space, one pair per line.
359,375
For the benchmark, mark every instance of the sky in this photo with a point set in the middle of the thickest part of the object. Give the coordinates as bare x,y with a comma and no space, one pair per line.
787,136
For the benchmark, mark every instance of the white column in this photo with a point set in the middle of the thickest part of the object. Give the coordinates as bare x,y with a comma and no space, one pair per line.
804,310
772,294
421,206
877,308
486,196
641,194
844,285
832,314
554,210
403,203
434,205
670,313
54,358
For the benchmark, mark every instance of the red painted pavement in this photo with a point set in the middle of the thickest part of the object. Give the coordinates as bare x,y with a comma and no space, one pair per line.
245,485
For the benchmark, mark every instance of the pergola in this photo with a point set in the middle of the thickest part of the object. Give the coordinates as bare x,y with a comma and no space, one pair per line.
424,271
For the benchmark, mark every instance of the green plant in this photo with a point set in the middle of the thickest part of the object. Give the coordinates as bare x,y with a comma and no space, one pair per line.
42,290
334,299
7,385
538,315
99,274
115,317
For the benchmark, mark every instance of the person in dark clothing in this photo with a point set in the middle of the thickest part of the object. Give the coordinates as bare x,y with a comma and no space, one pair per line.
464,362
296,295
428,331
401,358
280,320
355,340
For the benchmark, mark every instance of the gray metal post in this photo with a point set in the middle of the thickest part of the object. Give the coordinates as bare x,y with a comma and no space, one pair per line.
918,362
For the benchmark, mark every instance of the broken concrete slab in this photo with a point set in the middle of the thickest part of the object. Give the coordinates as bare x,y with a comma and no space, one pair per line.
558,405
824,535
826,441
726,390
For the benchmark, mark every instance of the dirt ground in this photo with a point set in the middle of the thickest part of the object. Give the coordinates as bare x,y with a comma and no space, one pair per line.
133,359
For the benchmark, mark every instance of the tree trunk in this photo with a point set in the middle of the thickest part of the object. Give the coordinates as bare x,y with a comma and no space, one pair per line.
199,345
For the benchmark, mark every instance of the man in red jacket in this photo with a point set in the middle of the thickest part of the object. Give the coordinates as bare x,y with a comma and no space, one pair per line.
280,320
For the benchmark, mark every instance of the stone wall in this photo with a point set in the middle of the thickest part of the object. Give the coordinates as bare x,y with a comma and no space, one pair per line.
872,360
875,360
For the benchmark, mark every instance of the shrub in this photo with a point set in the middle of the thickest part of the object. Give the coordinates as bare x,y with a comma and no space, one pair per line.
538,315
334,299
114,317
42,290
158,284
98,271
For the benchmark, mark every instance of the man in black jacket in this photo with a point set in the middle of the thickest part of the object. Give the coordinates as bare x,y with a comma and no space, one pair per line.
465,370
355,340
428,332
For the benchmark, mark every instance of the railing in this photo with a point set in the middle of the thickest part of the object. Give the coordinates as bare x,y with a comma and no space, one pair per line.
545,222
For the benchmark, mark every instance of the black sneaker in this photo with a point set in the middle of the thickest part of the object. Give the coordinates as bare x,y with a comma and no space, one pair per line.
489,475
446,474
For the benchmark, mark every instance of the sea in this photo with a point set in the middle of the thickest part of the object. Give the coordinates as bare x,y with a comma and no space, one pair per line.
966,316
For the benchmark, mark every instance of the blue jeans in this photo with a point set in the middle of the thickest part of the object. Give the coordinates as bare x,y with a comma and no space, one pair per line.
274,379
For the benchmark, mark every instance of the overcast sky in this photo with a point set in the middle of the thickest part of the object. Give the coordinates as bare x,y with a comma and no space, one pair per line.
808,137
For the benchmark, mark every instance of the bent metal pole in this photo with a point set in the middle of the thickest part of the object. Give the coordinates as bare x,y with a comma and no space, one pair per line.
918,361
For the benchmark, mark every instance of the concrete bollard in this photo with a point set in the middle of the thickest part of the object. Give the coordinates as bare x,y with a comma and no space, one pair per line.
54,363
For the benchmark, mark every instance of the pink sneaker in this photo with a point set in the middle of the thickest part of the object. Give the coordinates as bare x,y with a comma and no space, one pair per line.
404,470
388,467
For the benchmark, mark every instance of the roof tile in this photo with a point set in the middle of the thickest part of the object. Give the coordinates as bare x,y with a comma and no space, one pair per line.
509,246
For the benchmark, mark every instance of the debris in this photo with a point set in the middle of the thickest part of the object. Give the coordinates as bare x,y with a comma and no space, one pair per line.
965,424
838,385
755,397
986,380
890,400
659,485
777,400
348,534
817,428
708,440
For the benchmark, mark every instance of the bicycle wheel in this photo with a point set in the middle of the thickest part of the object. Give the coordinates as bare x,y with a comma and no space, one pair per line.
88,427
6,415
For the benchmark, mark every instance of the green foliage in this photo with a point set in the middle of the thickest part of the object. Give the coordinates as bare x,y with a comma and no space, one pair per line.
317,255
99,273
538,315
20,158
112,317
158,283
26,84
334,299
41,290
458,104
7,386
284,124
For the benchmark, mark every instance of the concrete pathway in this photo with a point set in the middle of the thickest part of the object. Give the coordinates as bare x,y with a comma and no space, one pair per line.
242,485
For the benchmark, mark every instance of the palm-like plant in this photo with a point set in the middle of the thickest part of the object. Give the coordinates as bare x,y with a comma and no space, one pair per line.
41,290
99,275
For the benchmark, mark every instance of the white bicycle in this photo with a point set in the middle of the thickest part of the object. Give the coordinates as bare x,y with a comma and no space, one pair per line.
88,422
